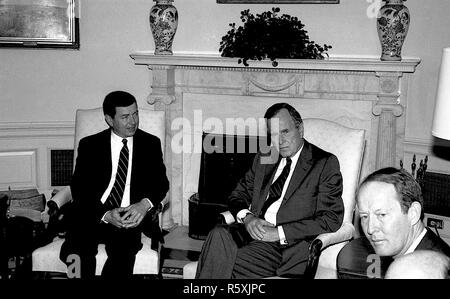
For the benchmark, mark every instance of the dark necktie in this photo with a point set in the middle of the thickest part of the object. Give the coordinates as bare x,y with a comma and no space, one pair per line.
277,187
115,197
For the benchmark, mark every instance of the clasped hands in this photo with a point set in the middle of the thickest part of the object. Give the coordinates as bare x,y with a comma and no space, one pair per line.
128,217
260,229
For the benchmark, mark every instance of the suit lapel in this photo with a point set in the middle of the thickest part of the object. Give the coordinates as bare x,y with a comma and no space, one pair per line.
105,146
303,166
269,173
135,153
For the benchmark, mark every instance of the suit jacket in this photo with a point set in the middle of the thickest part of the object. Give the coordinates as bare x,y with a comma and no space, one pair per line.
311,206
429,242
432,242
93,173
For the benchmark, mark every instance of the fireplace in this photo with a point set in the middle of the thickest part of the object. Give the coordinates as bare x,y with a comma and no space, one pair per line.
224,161
356,92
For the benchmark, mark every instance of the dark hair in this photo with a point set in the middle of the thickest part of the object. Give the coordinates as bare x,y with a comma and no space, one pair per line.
117,99
275,108
407,188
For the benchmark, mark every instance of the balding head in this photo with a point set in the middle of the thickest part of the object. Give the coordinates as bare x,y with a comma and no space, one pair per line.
420,264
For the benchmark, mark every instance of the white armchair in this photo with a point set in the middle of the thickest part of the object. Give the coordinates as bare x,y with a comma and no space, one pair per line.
348,145
88,122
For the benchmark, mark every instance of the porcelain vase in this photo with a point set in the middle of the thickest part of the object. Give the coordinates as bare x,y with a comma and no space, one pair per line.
163,23
392,27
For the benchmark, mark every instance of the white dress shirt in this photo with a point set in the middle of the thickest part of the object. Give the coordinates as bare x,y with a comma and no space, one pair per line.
116,147
271,213
416,241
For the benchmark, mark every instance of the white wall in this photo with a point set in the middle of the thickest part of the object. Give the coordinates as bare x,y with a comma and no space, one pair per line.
48,85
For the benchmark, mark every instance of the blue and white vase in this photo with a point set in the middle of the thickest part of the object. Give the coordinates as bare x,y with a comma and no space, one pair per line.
163,23
392,27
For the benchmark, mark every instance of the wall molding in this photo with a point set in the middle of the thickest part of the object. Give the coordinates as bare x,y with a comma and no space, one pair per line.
36,129
39,137
422,147
22,168
421,144
216,62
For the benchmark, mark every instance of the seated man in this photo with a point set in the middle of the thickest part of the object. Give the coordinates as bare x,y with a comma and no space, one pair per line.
118,183
390,207
420,264
280,207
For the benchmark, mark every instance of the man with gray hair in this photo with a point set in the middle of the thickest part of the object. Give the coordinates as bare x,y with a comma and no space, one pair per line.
420,264
280,208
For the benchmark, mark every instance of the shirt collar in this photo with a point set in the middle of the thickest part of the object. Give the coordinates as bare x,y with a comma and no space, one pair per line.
117,140
294,158
416,241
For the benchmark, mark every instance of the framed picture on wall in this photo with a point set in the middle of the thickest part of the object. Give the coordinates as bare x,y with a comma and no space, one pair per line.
39,23
279,1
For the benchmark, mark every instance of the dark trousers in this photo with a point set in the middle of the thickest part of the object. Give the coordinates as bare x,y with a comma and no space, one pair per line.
121,246
221,258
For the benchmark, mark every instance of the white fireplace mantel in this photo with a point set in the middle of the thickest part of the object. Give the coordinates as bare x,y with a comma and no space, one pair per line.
335,63
357,92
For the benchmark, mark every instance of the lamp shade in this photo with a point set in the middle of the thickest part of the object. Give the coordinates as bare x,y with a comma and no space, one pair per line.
441,120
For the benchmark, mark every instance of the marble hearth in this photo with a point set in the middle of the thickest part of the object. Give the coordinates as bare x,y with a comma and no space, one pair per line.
213,93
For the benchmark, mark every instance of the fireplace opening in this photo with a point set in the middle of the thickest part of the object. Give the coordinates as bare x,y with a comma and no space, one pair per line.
224,161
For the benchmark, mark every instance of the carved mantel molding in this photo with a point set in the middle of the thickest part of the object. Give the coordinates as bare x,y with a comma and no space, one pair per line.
339,64
354,81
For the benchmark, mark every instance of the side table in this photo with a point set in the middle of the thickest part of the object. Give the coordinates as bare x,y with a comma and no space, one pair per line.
21,236
178,250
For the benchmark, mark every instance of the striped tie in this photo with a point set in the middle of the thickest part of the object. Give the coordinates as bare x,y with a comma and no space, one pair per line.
277,187
115,197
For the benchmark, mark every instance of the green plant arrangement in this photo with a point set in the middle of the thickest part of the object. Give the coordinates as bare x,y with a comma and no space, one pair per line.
269,35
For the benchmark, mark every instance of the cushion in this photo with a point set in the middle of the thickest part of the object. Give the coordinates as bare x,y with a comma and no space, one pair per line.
25,203
36,203
46,258
189,270
25,199
18,194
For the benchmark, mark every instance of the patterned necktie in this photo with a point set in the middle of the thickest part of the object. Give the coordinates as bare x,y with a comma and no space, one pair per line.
277,187
115,197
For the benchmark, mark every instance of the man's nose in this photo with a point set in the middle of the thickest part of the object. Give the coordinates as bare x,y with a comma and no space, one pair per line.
372,225
133,120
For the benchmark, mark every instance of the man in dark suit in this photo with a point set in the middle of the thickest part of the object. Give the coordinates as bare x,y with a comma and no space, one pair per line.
390,207
117,186
280,207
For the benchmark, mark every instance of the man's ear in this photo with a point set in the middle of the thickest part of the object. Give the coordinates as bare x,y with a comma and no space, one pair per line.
414,212
109,120
301,129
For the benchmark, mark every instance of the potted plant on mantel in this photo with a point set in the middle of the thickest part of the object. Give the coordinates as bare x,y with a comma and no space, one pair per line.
269,35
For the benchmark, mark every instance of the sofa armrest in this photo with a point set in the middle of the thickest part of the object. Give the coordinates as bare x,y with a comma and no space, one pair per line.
62,197
344,233
322,241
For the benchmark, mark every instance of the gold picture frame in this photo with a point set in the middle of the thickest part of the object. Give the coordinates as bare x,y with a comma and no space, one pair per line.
39,24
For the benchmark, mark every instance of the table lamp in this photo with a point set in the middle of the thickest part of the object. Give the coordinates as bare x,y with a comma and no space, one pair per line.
441,120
